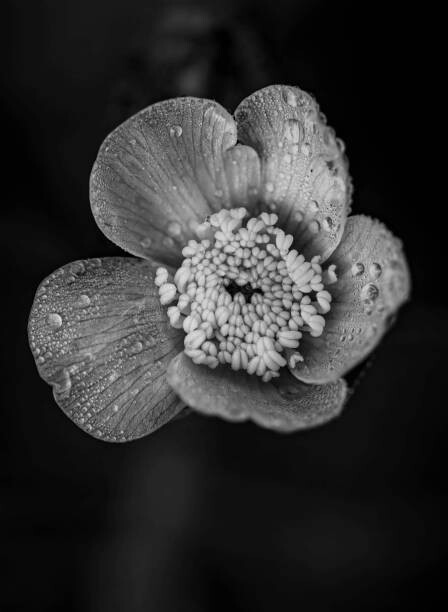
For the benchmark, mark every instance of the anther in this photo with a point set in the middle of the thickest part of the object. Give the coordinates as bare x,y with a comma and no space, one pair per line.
244,297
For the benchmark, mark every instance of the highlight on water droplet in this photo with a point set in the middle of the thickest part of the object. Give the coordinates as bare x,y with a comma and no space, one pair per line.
54,320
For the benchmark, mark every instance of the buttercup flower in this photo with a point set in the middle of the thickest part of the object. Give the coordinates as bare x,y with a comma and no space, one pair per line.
252,291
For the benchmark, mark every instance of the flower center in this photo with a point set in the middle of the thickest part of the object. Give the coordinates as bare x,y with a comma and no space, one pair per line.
243,296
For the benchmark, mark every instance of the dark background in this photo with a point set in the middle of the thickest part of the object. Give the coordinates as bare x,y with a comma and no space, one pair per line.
204,515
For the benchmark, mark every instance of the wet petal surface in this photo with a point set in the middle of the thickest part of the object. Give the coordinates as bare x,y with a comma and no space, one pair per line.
236,396
373,282
304,171
164,170
101,339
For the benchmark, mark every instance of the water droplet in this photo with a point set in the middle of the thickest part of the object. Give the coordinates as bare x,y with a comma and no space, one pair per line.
77,268
219,193
54,320
375,270
306,149
314,227
327,224
357,269
138,346
291,98
146,242
176,131
269,187
369,293
83,301
293,131
314,207
174,229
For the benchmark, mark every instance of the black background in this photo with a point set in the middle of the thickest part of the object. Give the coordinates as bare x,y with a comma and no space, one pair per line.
204,515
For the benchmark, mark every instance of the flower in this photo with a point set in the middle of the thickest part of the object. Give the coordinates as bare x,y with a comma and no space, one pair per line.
252,291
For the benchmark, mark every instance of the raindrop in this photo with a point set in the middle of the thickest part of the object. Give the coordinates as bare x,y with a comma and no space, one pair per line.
174,229
306,149
77,268
375,270
357,269
138,346
293,131
314,206
291,98
54,320
176,131
369,293
327,224
146,242
83,301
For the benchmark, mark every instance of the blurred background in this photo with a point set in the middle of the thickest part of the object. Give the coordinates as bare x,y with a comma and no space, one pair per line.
205,515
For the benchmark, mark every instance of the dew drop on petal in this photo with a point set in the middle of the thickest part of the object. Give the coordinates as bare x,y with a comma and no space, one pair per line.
291,98
306,149
327,224
174,229
54,320
176,131
314,206
357,269
146,242
375,270
369,293
83,301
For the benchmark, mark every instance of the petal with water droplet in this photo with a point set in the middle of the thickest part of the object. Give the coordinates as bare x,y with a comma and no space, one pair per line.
305,176
286,406
373,282
164,170
107,360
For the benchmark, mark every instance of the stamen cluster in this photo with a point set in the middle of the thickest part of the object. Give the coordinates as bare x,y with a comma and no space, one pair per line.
244,297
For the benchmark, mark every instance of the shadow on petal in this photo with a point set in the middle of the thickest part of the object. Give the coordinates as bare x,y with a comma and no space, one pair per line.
160,173
373,282
235,396
101,339
304,171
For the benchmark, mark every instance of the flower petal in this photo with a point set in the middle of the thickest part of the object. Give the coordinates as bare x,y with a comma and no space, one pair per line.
164,170
102,340
304,171
373,282
235,396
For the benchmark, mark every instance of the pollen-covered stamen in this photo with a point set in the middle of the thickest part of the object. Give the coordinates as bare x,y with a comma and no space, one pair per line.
244,297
